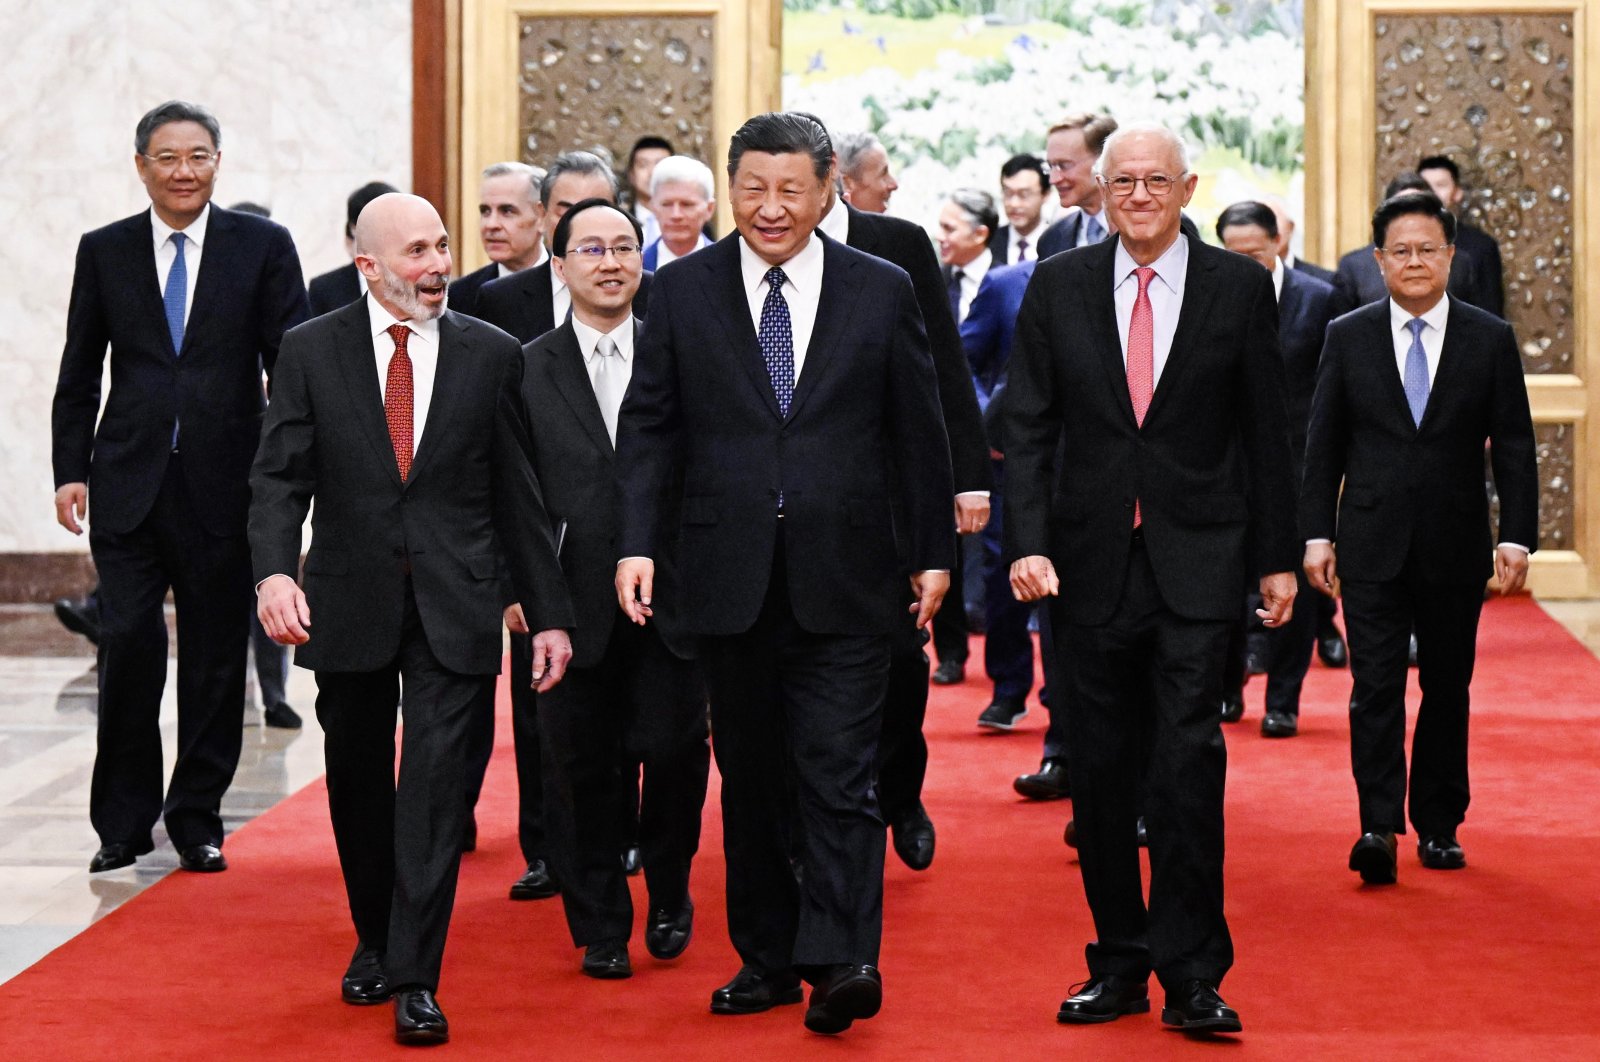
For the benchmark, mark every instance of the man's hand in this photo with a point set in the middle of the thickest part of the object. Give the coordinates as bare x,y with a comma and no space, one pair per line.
72,505
930,588
1321,566
551,651
972,513
281,606
1510,569
635,579
515,622
1033,578
1277,594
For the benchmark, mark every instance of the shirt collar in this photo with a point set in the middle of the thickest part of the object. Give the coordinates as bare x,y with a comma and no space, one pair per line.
836,222
979,266
195,233
1277,278
804,269
589,339
1173,264
1435,317
381,320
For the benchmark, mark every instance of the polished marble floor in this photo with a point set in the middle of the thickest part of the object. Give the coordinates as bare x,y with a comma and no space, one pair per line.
47,724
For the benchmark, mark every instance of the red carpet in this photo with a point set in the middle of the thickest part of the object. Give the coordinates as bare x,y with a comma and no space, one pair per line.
1497,961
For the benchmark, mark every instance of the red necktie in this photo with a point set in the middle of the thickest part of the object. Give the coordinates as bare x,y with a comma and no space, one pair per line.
397,400
1141,357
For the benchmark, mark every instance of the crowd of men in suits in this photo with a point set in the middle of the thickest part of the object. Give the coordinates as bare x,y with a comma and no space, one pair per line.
727,497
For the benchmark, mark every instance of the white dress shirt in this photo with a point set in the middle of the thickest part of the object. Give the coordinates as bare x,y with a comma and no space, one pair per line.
1277,279
647,221
560,297
835,224
422,347
1432,336
802,290
1166,297
664,253
608,390
1013,237
167,253
972,275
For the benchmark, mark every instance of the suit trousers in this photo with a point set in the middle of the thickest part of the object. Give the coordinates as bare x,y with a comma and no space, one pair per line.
399,841
1379,618
950,628
525,734
639,704
1286,649
902,749
209,576
1147,655
795,722
1007,645
480,744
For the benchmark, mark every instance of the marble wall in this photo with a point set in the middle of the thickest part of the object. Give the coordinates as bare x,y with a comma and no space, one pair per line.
314,100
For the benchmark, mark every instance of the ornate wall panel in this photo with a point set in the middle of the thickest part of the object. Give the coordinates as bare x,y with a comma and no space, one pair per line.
1494,92
605,82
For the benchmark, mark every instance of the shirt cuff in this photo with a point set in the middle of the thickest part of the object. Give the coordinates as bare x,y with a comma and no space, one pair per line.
1515,545
972,494
1319,541
268,579
625,559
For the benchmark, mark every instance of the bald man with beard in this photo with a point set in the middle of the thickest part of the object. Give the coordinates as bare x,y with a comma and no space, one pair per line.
397,416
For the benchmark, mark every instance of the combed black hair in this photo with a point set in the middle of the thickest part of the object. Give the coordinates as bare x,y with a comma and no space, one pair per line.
1406,181
175,111
1248,212
358,201
558,239
783,133
1026,164
1425,204
1441,162
648,141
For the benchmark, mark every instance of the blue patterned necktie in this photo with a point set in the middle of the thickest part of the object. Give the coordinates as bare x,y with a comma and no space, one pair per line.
176,293
1416,378
777,340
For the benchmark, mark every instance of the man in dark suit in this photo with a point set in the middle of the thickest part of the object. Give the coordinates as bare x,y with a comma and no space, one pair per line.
903,751
510,224
632,694
1359,280
192,300
786,379
1444,177
1149,471
342,286
683,198
1305,306
1072,148
1410,390
398,419
1023,184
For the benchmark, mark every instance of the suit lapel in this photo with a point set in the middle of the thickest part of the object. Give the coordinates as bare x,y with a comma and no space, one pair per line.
359,366
447,379
1100,311
219,242
730,308
834,310
1199,295
1389,381
142,256
1451,355
571,378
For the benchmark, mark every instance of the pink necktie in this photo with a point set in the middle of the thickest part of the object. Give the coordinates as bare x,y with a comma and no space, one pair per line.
1141,357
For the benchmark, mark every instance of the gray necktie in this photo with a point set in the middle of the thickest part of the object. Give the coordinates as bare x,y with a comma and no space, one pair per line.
1416,374
1093,231
610,382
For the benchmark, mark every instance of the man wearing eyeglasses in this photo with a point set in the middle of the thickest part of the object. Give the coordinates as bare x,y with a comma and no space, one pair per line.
1072,149
191,301
1408,392
1148,456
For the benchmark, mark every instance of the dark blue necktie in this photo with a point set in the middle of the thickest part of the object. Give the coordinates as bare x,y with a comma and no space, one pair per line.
777,340
1416,377
176,293
955,294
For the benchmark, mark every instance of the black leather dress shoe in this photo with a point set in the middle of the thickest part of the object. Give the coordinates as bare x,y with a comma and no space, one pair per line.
282,717
1279,725
118,854
607,960
950,673
1373,857
1440,851
752,991
1003,714
1050,783
364,983
1105,999
1195,1007
845,995
914,838
1332,652
536,883
80,617
1233,708
202,859
668,930
631,861
418,1021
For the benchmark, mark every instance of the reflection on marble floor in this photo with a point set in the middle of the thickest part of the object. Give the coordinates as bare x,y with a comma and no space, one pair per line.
47,727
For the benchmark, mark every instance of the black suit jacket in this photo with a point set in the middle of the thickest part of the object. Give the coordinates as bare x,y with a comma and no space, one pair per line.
333,289
863,425
1359,281
468,516
1305,307
249,290
906,245
524,305
1414,495
1210,467
575,464
1490,293
464,290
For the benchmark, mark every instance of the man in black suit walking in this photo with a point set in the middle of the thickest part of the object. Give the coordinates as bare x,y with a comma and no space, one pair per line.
1444,177
398,419
1359,280
192,300
1149,470
510,224
786,379
1410,390
632,694
1024,180
342,286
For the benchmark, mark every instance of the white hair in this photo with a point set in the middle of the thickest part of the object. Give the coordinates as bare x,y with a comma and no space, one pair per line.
532,174
1161,132
681,169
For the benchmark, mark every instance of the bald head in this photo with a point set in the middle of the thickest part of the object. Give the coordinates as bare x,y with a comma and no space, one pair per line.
403,251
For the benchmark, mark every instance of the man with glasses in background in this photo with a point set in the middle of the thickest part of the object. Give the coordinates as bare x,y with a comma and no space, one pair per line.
1072,149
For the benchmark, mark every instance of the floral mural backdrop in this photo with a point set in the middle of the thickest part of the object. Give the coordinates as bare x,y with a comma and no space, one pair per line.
955,87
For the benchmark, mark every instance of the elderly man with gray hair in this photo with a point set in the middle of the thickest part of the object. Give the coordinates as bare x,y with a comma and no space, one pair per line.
865,180
510,222
683,197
